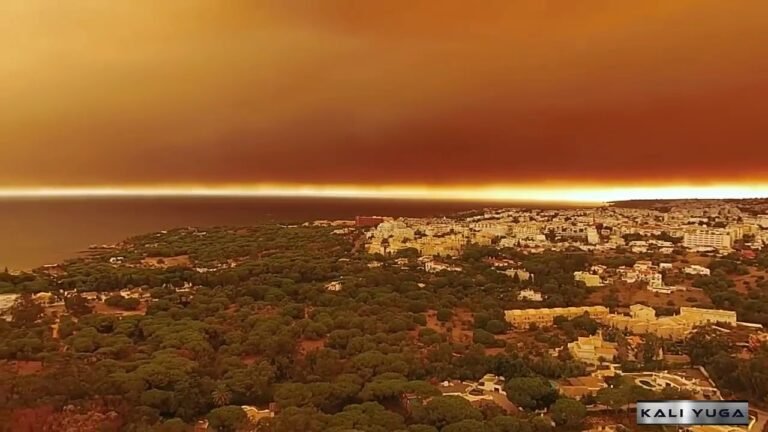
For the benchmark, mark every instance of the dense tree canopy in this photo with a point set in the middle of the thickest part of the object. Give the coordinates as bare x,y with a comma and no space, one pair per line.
242,316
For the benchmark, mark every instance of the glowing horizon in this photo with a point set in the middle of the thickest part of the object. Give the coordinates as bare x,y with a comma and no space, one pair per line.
584,194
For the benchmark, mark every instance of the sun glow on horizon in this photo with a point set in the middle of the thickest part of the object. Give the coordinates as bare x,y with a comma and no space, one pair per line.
480,193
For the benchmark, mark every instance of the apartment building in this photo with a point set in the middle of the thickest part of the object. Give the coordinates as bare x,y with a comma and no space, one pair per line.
523,318
490,228
643,320
713,238
699,316
526,230
592,236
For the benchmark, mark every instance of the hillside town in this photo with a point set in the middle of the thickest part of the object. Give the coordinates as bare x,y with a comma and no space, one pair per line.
718,228
671,236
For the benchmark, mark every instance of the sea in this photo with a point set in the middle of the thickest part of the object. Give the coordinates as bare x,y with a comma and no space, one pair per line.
35,232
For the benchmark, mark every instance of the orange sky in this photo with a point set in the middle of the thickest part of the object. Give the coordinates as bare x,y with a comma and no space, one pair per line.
446,92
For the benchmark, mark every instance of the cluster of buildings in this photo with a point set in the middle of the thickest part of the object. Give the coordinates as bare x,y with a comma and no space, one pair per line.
715,228
694,380
54,302
252,413
642,271
641,320
653,275
510,268
436,237
433,266
596,351
488,390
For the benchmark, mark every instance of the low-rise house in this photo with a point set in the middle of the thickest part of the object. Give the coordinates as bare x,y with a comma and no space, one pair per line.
131,293
489,390
519,273
643,265
593,349
454,387
91,295
434,267
254,414
6,302
579,387
334,286
342,231
530,295
660,289
492,383
654,280
627,274
501,263
696,270
589,279
701,387
401,261
48,299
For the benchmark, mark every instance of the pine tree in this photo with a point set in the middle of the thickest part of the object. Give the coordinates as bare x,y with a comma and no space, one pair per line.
221,396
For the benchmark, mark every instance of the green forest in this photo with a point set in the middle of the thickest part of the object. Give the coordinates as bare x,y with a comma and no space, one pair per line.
261,329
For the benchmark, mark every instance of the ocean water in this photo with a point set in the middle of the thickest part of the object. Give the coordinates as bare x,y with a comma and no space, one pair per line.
45,231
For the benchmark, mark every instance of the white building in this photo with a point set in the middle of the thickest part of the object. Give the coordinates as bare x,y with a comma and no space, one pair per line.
697,270
6,301
434,267
334,286
592,236
714,238
530,295
655,280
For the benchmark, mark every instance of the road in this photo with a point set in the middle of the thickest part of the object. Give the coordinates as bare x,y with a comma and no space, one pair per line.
762,421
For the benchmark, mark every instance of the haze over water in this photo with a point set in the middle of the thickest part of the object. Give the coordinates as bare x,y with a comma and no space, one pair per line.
37,232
